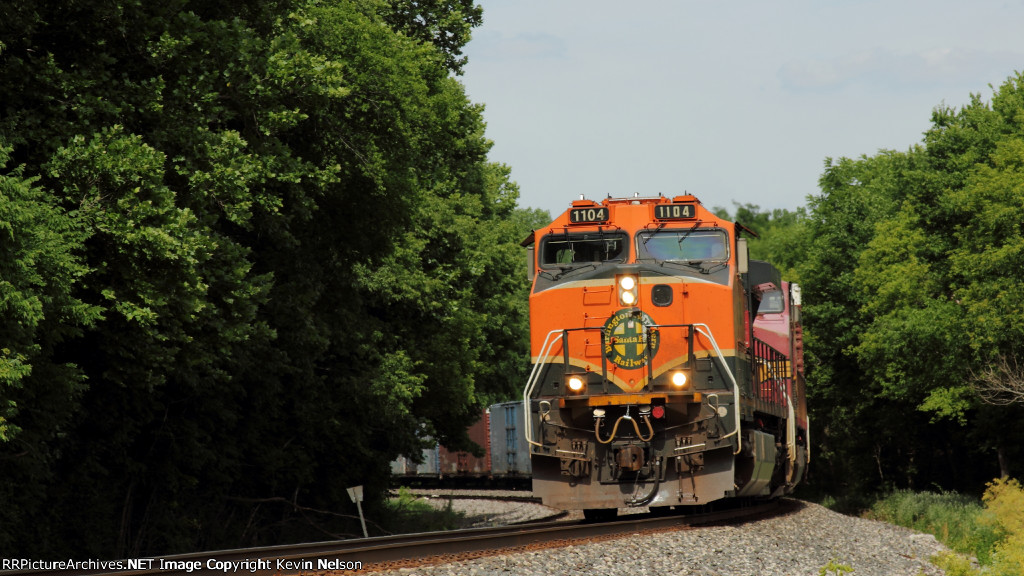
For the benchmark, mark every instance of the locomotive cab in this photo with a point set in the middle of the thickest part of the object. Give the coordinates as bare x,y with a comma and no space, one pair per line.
651,384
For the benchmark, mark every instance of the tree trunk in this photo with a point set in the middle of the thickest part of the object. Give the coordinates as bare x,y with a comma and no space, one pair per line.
878,461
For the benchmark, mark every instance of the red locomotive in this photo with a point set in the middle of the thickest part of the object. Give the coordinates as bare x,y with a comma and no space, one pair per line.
667,365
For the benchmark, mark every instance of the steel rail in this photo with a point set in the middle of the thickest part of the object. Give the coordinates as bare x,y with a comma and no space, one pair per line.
454,496
421,545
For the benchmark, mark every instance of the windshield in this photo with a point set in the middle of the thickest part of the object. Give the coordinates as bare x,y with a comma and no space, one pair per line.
586,248
683,245
771,303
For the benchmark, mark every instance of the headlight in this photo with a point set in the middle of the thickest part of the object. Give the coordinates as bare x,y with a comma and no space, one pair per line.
628,290
575,384
679,379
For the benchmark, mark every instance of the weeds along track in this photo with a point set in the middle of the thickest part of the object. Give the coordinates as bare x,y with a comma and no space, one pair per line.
474,508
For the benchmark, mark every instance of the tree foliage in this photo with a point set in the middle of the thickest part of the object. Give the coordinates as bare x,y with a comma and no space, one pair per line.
913,311
446,24
252,251
780,235
911,295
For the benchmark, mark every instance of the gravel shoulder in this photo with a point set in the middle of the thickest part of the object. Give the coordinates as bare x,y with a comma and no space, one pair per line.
800,543
487,513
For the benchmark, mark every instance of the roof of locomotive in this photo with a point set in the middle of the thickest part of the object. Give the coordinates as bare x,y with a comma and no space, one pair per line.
762,272
565,219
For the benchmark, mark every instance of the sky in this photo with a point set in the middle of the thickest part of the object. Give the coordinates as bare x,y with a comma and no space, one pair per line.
734,101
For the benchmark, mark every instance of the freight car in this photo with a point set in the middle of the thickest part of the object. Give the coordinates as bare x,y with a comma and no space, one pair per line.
500,434
667,367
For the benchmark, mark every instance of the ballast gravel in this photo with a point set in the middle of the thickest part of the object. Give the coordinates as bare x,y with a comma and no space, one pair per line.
487,513
800,543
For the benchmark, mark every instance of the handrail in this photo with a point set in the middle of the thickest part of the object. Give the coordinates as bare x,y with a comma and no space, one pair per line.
807,439
790,425
735,385
532,381
703,329
770,366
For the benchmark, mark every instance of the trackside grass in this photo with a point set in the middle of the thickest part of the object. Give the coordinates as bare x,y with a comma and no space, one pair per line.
409,513
991,530
954,519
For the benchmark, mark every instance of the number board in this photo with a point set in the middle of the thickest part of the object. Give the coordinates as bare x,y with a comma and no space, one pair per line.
587,215
675,211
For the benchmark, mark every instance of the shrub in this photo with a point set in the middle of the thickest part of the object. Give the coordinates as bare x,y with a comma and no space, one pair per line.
953,519
993,533
410,513
1004,510
833,568
954,564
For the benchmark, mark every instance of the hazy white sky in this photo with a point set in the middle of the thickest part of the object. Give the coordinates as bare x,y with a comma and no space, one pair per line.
736,100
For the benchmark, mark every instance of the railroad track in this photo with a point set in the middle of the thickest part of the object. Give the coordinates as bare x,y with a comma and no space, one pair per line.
471,494
385,552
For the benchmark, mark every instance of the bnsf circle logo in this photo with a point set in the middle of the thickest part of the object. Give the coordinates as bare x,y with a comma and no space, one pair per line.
626,343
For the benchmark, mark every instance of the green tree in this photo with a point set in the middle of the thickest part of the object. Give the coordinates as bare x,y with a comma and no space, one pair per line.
445,24
279,257
39,395
38,271
909,269
781,235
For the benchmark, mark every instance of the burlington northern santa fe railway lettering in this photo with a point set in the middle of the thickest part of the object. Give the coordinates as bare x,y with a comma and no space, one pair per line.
667,365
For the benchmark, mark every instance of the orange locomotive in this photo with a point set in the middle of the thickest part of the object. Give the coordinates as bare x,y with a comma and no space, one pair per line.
667,366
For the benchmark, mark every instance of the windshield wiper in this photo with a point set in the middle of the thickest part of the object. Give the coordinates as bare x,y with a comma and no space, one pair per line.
686,263
652,233
713,267
565,269
687,233
694,264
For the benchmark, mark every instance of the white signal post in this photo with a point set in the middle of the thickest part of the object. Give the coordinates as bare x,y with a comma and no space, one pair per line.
356,494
